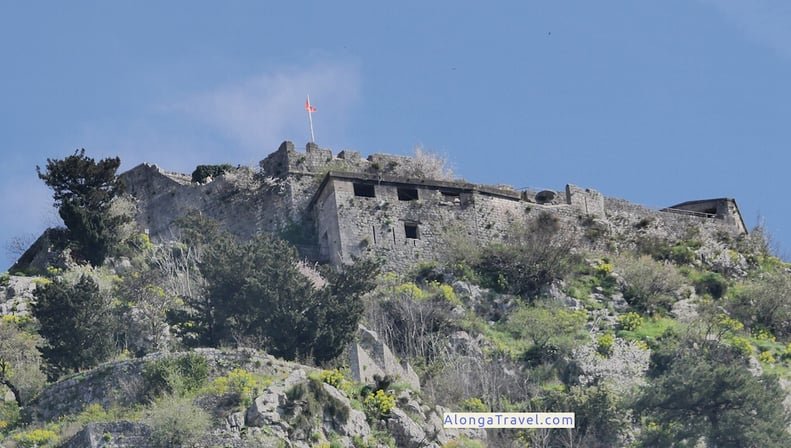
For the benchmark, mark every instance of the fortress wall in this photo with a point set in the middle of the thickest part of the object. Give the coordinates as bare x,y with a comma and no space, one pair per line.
632,222
378,225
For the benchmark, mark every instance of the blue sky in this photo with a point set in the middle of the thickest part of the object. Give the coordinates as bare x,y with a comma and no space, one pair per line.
655,102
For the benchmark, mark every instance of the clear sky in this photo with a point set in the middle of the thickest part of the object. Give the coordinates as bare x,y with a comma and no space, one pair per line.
656,102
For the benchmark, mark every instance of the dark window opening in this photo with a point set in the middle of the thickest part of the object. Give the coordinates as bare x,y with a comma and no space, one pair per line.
710,211
450,194
364,190
407,194
410,230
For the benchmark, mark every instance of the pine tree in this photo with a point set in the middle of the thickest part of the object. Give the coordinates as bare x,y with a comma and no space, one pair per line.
83,192
76,323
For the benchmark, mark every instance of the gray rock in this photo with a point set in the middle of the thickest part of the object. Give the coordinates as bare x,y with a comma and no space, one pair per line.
355,423
370,357
406,432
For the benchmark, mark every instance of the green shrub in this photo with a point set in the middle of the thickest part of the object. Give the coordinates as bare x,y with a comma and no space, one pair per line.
379,404
9,415
650,285
245,385
176,421
766,357
36,438
474,404
202,172
464,442
630,321
176,375
5,278
711,283
742,345
604,344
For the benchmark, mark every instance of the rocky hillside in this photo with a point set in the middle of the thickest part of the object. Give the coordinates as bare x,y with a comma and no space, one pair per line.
651,336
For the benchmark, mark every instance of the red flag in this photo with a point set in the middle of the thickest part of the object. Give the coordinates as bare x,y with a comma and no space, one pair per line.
308,107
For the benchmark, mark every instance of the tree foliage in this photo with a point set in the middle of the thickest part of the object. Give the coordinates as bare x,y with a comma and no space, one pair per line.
255,295
765,304
650,286
20,361
533,256
83,190
701,390
77,325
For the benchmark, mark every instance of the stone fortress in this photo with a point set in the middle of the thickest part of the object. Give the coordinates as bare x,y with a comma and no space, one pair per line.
336,207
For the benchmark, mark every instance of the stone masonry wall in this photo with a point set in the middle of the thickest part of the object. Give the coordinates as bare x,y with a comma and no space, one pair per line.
342,225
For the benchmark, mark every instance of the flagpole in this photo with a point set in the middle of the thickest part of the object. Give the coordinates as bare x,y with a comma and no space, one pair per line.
310,120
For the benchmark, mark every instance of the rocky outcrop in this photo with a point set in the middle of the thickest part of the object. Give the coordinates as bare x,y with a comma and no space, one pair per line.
16,295
369,357
120,434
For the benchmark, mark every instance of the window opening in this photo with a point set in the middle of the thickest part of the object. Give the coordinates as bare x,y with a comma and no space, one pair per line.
364,190
407,194
410,230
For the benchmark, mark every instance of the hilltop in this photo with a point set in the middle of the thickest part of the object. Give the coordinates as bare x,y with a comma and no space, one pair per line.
336,300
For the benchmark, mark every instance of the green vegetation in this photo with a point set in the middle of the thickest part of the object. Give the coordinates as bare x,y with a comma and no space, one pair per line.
244,385
701,389
176,375
84,191
203,172
176,422
379,404
256,295
650,285
77,324
532,258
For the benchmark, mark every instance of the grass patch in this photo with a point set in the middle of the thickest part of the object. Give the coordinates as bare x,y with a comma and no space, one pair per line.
650,330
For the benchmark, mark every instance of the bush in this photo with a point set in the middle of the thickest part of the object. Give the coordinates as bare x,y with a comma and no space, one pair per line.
379,404
176,422
533,257
630,321
650,285
176,376
36,438
474,404
763,304
604,344
202,172
711,283
245,385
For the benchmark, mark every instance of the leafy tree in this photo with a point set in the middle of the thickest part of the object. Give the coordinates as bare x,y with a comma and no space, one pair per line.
600,418
650,285
532,258
83,190
143,310
700,389
256,295
77,324
765,303
20,361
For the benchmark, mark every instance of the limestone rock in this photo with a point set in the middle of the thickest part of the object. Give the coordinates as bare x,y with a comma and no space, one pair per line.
406,432
370,357
17,295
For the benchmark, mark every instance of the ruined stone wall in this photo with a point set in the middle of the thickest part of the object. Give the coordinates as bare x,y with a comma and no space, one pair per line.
378,225
283,196
631,222
239,202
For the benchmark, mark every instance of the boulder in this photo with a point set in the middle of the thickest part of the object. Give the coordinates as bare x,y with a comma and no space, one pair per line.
406,432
